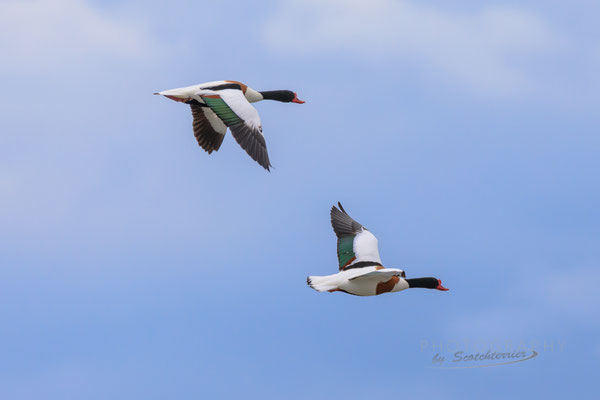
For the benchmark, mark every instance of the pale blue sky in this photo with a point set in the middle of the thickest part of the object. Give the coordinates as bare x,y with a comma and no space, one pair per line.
134,265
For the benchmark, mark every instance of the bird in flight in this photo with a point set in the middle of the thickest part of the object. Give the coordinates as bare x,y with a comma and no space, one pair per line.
219,105
360,270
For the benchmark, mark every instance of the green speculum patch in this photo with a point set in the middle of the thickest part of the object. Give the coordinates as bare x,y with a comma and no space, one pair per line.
345,250
223,111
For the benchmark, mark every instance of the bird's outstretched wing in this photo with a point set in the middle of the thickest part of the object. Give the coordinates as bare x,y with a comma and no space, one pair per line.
209,130
232,107
356,246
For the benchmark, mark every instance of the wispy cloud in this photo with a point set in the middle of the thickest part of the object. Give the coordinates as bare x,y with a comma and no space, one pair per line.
46,33
488,49
538,303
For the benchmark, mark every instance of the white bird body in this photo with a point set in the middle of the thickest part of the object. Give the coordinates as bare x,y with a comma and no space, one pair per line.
187,92
360,270
360,281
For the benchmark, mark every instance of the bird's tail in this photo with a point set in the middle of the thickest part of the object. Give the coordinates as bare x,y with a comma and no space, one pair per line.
321,283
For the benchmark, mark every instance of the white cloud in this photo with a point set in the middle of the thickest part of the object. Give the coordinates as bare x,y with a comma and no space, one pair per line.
486,49
45,33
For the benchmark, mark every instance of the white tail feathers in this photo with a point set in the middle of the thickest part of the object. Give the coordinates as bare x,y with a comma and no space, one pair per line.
321,283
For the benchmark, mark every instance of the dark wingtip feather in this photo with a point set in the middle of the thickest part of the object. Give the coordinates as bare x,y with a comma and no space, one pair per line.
332,212
266,165
252,141
342,223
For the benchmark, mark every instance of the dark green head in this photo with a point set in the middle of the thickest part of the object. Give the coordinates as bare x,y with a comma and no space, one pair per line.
427,283
285,96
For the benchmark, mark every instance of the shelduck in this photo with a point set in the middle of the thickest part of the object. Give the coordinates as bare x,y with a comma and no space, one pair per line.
360,270
219,105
